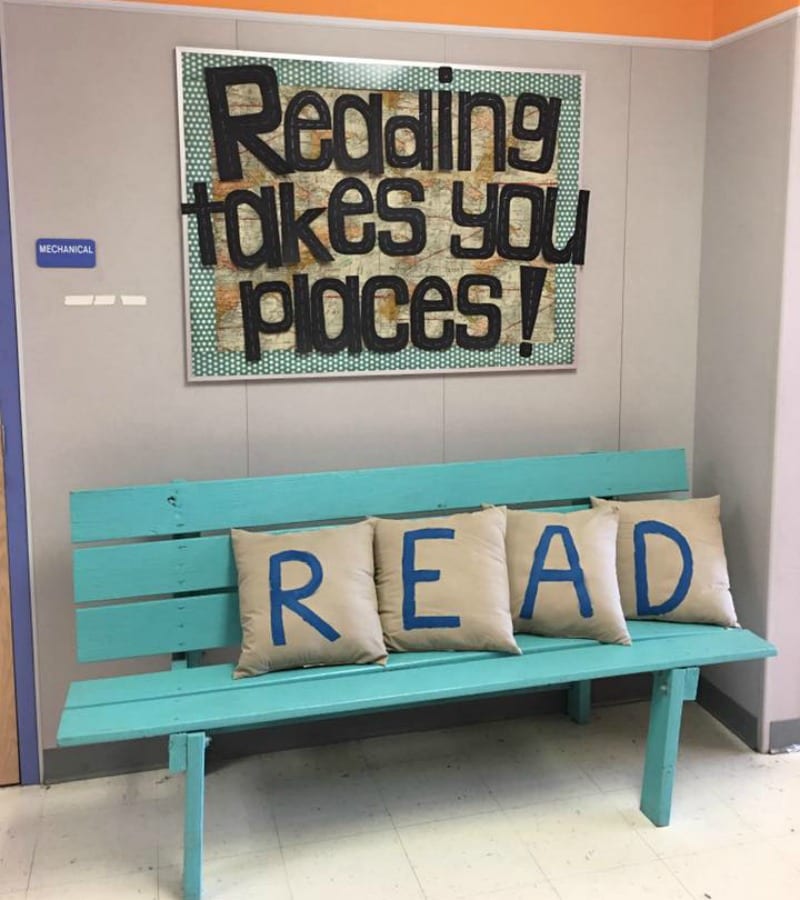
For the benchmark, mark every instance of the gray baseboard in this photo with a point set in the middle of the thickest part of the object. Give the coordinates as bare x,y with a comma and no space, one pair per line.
733,716
783,734
71,763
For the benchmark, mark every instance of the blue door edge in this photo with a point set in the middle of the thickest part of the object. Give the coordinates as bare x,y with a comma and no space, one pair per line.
16,509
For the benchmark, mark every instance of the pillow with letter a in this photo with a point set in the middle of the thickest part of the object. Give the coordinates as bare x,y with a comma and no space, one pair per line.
442,582
671,560
562,573
307,599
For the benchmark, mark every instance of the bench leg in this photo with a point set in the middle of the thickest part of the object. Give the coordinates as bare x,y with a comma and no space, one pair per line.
187,753
670,689
579,701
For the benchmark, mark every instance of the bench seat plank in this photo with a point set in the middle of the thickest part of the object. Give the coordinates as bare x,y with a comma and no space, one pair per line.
133,687
207,699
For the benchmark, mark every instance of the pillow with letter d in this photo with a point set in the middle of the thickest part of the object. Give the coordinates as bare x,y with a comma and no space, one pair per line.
671,561
563,575
307,599
443,584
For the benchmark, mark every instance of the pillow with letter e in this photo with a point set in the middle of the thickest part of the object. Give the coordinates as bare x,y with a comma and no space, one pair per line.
563,576
442,582
671,561
307,599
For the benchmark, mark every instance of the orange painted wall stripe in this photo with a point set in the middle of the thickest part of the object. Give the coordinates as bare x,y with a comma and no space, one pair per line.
731,15
699,20
684,19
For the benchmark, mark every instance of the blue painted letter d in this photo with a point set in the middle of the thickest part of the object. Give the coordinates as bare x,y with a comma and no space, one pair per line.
640,532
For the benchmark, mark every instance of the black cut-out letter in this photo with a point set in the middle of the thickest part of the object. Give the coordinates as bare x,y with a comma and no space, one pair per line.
489,311
545,131
293,126
445,131
421,305
415,218
269,253
466,104
421,127
531,285
202,208
372,113
373,340
575,248
253,322
535,197
302,315
486,221
230,131
298,228
339,209
349,337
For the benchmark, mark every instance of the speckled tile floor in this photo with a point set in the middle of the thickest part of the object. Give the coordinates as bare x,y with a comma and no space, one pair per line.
527,809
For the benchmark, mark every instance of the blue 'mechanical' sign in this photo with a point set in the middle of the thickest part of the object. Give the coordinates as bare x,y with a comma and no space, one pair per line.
66,253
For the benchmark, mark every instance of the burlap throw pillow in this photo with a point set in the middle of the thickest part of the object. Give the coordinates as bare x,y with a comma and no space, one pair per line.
562,574
307,599
442,582
671,560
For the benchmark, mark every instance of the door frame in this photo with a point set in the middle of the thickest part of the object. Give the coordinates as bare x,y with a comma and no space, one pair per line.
16,509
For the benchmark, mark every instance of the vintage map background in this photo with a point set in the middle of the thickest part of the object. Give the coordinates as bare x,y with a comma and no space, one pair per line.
215,320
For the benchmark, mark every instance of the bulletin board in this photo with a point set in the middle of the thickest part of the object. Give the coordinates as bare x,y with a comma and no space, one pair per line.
345,217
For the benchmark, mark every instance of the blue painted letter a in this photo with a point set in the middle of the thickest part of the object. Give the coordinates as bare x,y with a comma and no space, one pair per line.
280,597
539,573
643,605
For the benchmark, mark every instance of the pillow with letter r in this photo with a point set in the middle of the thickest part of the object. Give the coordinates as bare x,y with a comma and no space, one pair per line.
671,561
563,575
307,599
443,584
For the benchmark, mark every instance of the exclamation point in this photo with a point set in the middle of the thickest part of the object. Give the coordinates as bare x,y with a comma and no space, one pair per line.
531,287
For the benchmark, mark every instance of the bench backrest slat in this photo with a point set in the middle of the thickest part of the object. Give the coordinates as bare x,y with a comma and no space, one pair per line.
193,506
157,626
167,553
153,567
146,568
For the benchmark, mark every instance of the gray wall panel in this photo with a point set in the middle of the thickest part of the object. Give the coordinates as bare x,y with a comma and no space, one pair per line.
741,284
92,120
662,247
782,688
303,426
561,411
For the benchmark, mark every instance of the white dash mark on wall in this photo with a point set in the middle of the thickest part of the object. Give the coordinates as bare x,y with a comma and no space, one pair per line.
105,299
78,299
133,300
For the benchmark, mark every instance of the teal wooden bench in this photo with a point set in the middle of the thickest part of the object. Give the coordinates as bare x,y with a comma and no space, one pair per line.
154,574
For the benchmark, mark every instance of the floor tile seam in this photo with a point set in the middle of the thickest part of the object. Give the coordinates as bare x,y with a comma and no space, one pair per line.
328,840
627,827
395,825
522,843
746,822
101,808
404,849
36,841
593,872
48,885
754,838
706,851
286,878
